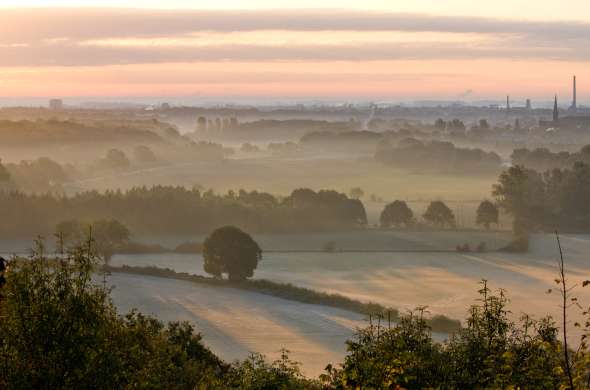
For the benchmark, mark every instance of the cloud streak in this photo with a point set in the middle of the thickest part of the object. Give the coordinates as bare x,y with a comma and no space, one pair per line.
68,37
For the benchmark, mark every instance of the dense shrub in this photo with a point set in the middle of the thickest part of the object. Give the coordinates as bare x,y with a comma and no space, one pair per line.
60,330
491,352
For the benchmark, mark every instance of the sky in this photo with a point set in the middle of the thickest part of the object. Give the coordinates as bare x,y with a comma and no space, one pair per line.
380,50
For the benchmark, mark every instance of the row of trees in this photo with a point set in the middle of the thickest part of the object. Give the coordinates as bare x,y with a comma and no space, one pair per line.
542,159
438,214
436,156
554,200
177,210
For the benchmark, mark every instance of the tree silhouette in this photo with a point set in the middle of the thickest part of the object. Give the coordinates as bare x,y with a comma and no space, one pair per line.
108,235
487,214
396,213
229,250
439,215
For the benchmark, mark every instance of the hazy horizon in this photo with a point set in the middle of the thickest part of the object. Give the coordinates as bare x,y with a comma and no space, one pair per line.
231,51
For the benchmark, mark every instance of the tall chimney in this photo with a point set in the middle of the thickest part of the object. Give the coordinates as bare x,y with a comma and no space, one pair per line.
575,103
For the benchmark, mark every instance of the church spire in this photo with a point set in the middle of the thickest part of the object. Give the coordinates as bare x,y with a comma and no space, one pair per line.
555,111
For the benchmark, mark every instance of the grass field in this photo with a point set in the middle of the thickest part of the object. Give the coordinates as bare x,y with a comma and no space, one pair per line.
236,322
446,282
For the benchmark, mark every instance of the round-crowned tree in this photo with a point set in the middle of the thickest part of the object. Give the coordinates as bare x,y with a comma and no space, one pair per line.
396,213
439,215
487,214
229,250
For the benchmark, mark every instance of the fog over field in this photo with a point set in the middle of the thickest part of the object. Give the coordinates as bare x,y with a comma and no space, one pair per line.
301,195
445,282
235,323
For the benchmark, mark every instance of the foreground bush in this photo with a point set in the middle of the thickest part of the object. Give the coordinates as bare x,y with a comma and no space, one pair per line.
491,352
59,329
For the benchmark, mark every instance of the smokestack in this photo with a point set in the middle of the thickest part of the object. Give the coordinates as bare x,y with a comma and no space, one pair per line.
574,102
508,103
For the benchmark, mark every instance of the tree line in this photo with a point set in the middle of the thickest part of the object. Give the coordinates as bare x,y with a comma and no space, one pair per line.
398,214
436,156
554,200
178,210
542,159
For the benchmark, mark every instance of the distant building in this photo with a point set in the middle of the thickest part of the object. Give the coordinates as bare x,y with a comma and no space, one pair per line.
528,104
56,104
555,122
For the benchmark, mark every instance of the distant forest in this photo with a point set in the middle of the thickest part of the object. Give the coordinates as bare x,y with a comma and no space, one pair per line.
436,156
542,159
54,132
177,210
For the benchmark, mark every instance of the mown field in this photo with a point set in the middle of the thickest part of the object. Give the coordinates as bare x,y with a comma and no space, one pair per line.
445,282
236,322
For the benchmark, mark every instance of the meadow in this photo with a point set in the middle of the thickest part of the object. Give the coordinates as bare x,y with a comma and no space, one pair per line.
446,282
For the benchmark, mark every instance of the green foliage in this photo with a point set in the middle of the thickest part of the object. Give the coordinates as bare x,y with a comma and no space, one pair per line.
256,374
487,214
229,250
439,214
491,352
60,330
396,214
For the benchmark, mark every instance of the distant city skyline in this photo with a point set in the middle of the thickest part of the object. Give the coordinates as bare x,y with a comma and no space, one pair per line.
394,51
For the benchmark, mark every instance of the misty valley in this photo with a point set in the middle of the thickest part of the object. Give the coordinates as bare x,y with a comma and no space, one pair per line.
368,196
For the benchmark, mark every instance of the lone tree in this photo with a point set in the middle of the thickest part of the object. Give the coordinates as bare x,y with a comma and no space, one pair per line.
108,235
396,213
439,215
229,250
487,214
